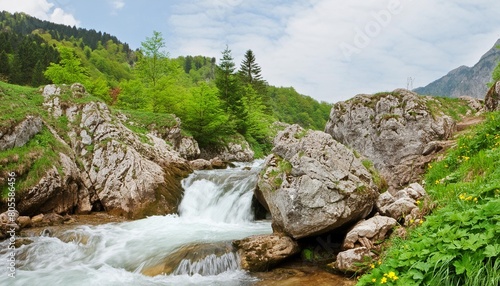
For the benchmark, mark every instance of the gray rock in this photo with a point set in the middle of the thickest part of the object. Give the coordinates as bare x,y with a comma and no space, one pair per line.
261,252
393,130
476,104
366,232
492,99
312,184
402,203
56,192
201,164
349,260
21,133
237,150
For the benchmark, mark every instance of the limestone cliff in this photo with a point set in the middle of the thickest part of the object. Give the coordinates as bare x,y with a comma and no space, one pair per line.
102,164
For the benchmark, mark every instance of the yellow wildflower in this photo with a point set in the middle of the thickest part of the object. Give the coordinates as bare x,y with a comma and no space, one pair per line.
372,266
383,280
379,262
374,280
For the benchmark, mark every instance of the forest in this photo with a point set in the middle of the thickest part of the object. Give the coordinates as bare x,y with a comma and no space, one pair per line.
214,98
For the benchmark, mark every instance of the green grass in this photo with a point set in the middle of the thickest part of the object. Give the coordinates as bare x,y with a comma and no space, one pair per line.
31,161
459,242
453,107
17,102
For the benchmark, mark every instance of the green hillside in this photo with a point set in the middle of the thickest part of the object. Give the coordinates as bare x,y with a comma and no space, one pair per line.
215,98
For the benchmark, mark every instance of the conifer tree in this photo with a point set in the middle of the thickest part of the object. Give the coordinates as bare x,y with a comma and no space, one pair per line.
250,74
230,91
250,70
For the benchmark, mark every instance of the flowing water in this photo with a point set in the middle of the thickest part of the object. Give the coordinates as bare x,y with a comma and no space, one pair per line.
192,248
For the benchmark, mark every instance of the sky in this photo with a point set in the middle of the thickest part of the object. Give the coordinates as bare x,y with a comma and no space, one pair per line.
328,49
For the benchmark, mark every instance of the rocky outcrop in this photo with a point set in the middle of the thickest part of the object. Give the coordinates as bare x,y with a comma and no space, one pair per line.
106,166
492,99
60,192
261,252
312,184
398,131
21,133
186,146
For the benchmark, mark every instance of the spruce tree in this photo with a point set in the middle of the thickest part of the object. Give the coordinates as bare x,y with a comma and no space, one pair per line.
249,69
229,85
226,81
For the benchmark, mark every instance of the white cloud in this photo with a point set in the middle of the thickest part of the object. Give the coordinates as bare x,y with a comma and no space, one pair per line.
299,43
116,5
41,9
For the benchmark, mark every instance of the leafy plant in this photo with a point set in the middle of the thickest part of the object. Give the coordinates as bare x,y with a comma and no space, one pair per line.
459,243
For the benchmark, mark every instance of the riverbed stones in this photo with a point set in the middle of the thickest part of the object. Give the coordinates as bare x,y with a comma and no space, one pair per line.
403,203
350,260
312,184
261,252
366,232
24,221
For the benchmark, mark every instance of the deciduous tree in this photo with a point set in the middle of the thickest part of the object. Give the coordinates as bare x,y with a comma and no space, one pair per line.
69,70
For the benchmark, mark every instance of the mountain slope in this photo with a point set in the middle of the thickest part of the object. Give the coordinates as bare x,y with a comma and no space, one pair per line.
466,80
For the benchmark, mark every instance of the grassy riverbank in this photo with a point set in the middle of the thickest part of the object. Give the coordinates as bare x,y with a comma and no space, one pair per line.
459,242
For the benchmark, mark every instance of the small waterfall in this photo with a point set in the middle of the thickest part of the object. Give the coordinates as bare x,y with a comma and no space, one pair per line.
210,265
220,196
193,248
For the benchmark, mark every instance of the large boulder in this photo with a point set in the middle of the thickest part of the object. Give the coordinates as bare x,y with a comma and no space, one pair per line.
261,252
398,131
312,184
